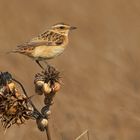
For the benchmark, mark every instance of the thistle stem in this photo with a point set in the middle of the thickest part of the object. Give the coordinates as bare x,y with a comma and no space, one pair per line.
48,133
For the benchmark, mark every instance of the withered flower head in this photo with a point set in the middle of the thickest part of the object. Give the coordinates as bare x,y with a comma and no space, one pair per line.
50,74
14,105
48,81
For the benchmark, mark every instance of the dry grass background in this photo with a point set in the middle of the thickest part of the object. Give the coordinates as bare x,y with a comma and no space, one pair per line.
100,68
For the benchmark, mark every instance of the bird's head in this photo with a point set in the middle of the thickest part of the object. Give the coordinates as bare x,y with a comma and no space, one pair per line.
62,28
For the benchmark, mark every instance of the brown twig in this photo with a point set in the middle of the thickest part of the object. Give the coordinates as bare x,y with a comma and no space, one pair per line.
48,133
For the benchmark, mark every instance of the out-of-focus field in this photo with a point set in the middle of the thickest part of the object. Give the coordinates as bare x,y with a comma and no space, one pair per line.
100,68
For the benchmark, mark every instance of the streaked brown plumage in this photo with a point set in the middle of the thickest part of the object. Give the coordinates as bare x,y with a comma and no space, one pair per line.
47,45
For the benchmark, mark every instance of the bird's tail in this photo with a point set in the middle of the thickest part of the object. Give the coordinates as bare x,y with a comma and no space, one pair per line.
5,53
13,51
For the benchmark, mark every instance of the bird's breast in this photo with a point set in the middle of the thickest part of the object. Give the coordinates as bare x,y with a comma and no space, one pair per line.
47,52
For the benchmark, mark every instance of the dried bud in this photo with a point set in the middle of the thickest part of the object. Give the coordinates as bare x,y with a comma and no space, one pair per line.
45,111
40,83
56,87
42,124
39,87
48,100
46,88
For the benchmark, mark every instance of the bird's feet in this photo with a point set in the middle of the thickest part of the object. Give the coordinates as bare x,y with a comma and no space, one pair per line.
47,65
40,65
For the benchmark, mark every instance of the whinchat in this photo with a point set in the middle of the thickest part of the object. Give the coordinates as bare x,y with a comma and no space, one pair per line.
47,45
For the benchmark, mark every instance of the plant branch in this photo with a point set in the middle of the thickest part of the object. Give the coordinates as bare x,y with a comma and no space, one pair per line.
85,132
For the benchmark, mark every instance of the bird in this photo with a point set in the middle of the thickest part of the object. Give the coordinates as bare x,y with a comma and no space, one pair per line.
46,45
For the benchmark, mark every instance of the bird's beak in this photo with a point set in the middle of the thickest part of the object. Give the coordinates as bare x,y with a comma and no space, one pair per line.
73,28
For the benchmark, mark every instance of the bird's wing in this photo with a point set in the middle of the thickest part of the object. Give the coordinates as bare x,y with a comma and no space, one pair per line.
41,37
36,44
29,46
50,38
45,38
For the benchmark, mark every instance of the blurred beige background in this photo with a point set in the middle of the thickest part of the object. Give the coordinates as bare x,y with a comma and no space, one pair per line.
100,68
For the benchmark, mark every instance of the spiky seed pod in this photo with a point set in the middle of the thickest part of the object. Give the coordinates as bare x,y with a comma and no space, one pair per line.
42,124
56,87
46,88
14,105
39,87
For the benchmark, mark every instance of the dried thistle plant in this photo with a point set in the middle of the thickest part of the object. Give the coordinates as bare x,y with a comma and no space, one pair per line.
47,83
14,105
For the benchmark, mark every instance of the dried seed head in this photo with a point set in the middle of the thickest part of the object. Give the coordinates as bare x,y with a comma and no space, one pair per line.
50,80
14,106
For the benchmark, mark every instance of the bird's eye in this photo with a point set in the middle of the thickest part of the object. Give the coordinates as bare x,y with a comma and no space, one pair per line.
61,27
